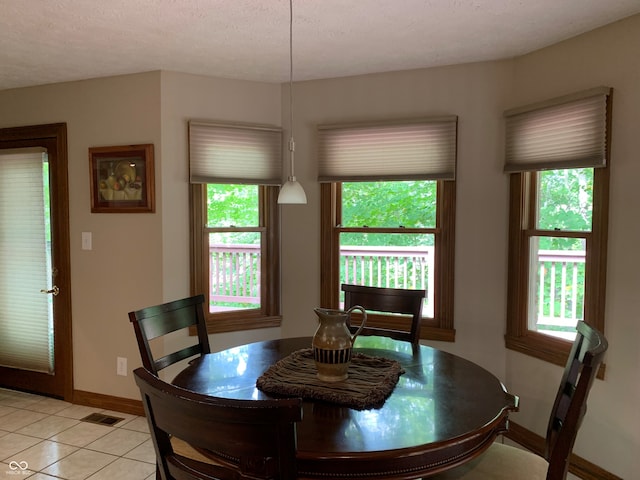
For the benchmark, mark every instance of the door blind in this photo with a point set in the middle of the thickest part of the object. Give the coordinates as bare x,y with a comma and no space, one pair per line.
26,328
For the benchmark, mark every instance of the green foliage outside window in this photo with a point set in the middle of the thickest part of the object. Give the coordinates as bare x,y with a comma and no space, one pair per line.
565,200
233,205
46,200
394,204
235,270
565,203
410,204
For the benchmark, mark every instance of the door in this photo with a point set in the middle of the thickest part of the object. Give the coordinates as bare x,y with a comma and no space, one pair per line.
35,313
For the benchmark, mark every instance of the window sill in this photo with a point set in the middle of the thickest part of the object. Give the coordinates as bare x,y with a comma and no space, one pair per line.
543,347
237,324
428,329
438,334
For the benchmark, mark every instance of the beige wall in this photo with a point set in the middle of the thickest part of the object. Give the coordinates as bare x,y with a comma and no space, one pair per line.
142,259
610,435
124,269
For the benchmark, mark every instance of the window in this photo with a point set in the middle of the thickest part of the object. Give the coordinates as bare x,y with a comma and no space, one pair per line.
557,154
388,211
235,172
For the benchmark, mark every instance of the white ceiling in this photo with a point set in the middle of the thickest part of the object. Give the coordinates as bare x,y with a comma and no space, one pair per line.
47,41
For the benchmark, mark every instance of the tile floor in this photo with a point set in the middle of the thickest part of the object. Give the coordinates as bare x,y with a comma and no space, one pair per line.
43,438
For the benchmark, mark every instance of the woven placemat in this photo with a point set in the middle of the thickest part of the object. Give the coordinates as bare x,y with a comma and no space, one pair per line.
371,380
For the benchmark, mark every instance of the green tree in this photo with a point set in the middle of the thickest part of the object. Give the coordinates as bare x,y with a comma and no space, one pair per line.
388,204
565,203
233,205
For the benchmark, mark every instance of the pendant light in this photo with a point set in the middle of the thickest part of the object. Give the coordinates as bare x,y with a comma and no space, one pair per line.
292,191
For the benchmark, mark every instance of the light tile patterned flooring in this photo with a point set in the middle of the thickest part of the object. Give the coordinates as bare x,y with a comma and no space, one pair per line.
43,438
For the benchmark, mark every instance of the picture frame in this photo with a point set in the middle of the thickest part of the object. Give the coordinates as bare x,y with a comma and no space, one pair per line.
122,179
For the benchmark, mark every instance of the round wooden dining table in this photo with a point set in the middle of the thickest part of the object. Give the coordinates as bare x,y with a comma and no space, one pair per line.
443,412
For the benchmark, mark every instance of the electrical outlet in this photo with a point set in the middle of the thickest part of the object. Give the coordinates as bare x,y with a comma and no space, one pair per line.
121,366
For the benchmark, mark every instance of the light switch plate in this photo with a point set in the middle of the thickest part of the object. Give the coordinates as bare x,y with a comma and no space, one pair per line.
121,366
86,241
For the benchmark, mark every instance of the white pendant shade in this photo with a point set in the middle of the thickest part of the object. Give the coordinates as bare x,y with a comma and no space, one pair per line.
292,192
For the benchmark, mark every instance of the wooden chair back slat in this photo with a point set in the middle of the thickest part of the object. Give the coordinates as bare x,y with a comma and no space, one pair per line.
389,300
160,320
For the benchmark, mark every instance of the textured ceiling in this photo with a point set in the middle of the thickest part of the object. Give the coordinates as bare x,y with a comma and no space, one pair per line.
47,41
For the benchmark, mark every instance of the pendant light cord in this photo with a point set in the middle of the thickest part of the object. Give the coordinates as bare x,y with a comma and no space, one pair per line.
291,143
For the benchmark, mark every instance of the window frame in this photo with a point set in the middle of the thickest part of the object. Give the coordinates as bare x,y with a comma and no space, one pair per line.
441,327
522,226
268,315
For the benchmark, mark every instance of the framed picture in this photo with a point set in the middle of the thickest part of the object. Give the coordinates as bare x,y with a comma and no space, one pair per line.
122,179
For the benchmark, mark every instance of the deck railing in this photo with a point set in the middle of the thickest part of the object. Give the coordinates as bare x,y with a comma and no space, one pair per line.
235,276
390,267
558,301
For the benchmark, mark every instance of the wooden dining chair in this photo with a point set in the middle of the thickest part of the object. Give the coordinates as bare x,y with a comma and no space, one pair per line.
388,300
239,438
502,462
159,320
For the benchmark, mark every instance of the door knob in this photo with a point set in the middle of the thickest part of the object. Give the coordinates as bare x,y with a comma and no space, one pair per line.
55,290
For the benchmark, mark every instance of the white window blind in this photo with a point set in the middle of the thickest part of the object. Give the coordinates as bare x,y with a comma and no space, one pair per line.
26,340
220,153
423,149
567,132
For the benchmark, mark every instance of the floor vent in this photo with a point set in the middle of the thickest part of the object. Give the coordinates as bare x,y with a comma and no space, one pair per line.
101,419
